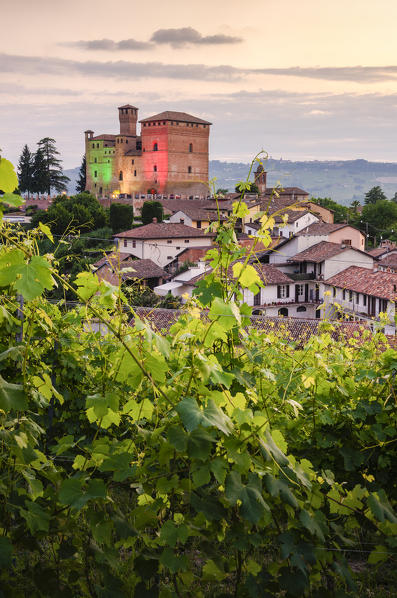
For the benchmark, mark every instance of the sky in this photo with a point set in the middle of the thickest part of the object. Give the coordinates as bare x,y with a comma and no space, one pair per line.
308,80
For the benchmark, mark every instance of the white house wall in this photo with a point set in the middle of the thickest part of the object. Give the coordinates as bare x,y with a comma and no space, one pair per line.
344,260
159,250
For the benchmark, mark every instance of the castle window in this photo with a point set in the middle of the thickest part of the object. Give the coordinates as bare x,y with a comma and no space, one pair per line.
198,223
169,240
95,173
155,168
95,160
126,140
97,144
163,123
132,161
190,147
155,147
189,169
93,145
134,172
120,175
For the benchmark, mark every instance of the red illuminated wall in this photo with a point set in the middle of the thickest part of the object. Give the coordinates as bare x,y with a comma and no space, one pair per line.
150,158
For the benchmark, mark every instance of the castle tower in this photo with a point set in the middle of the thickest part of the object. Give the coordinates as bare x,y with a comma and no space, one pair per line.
260,179
128,116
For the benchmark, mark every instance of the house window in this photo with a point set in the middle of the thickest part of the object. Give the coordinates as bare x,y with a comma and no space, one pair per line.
334,292
120,175
95,173
190,147
347,242
283,312
357,297
350,295
383,305
364,300
344,294
198,223
181,220
283,291
125,242
169,257
300,289
189,169
155,147
187,241
155,168
257,298
134,244
301,308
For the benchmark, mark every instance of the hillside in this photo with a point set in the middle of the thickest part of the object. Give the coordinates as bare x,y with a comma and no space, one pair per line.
343,181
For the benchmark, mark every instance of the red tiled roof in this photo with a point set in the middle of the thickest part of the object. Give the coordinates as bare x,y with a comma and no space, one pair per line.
293,215
128,269
323,228
388,261
268,274
320,252
362,280
113,259
162,230
378,251
178,116
286,191
104,136
128,106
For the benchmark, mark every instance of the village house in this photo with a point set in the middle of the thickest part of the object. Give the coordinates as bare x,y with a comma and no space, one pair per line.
118,268
362,294
163,243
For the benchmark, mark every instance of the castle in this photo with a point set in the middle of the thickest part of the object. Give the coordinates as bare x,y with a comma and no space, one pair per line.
169,157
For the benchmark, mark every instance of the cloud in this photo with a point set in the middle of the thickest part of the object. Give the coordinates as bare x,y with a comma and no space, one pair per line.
109,44
197,72
185,36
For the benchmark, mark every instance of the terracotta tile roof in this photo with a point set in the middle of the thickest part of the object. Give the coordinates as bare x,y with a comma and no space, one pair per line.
178,116
321,251
378,251
112,269
362,280
293,215
323,228
113,259
128,106
162,230
291,329
198,213
268,274
389,261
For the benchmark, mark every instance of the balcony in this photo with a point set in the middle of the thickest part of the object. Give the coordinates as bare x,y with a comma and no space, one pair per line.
302,276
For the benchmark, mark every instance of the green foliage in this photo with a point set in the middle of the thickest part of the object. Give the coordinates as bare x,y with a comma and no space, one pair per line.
78,213
8,178
51,166
82,180
121,217
381,215
374,195
150,210
25,170
215,460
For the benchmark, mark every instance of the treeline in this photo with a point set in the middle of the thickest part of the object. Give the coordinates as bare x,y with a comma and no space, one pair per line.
377,218
41,171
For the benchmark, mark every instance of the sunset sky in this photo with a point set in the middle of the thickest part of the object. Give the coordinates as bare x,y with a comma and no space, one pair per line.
303,80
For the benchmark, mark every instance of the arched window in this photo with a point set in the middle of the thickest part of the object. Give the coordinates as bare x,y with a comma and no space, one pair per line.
120,175
95,173
189,169
283,311
190,147
155,147
154,168
95,160
301,308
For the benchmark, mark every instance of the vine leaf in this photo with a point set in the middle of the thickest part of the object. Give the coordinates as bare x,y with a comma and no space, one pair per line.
252,504
193,416
12,396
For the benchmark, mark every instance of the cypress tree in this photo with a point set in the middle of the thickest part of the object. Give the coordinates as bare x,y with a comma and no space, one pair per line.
54,174
25,171
39,178
81,182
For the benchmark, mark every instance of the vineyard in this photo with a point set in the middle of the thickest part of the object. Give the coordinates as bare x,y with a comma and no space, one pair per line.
215,460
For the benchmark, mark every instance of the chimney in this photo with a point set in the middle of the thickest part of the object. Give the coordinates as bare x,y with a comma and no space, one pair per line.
154,220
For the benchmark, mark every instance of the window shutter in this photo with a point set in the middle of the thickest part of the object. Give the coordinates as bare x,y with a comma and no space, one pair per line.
287,290
278,292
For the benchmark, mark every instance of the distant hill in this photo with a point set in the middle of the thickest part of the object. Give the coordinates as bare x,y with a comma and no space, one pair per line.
343,181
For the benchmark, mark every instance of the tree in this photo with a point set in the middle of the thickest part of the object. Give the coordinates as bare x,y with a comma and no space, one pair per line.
25,170
373,195
79,213
381,216
55,178
253,188
121,217
150,210
39,173
222,191
82,180
355,205
394,198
